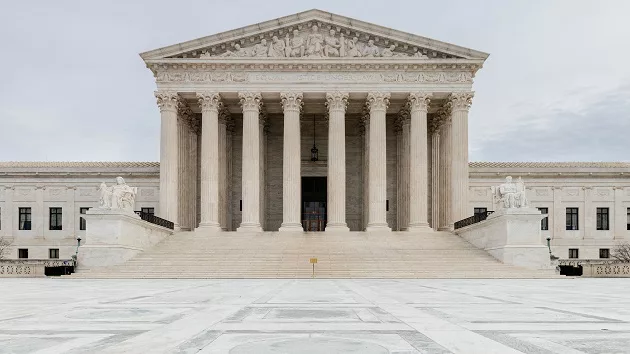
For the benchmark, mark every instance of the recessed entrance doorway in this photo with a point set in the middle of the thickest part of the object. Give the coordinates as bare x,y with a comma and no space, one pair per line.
314,203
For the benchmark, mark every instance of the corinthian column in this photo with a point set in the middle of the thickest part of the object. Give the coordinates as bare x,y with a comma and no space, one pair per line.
210,103
445,218
337,103
434,133
377,103
168,102
460,103
224,115
251,102
418,157
291,177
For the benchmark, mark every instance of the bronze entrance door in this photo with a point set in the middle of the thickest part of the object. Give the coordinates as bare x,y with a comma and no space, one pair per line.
314,203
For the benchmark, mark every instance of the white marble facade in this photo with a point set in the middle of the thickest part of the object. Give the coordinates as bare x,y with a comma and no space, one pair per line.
239,111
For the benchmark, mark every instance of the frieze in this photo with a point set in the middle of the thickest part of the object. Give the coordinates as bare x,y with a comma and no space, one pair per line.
389,77
573,192
602,192
146,192
542,192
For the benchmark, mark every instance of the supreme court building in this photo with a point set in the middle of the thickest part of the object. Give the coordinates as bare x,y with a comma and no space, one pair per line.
314,121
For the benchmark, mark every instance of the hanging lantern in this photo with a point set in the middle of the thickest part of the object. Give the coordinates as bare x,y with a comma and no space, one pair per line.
314,150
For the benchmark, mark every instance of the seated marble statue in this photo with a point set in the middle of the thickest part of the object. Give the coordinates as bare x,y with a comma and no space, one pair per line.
118,196
510,194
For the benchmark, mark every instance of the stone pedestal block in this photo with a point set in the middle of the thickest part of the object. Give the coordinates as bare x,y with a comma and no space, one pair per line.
114,236
511,236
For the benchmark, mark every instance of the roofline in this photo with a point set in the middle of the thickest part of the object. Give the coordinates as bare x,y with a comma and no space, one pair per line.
305,16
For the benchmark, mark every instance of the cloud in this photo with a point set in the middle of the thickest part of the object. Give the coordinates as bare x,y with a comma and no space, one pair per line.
595,131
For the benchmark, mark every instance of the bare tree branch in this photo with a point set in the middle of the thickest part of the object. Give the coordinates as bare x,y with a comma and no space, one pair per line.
621,252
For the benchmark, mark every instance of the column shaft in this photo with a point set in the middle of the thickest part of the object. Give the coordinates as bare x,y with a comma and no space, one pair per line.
168,207
446,219
378,102
223,169
291,175
337,103
418,189
435,180
250,222
404,174
210,105
460,102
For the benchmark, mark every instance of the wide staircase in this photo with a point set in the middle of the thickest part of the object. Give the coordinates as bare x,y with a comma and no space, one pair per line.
339,255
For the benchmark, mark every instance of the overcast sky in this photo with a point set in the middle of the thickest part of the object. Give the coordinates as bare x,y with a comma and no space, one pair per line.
555,88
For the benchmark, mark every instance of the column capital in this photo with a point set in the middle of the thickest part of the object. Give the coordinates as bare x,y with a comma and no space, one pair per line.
378,101
167,100
250,101
224,115
209,101
419,101
404,114
337,100
460,101
291,101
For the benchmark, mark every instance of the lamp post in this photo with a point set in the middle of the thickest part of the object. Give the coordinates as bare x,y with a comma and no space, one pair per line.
76,254
549,245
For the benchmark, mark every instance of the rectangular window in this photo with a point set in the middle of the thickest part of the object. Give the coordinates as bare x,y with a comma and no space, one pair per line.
602,218
53,253
572,219
477,211
150,211
82,224
25,218
604,253
628,219
544,223
0,219
387,205
55,219
573,253
23,253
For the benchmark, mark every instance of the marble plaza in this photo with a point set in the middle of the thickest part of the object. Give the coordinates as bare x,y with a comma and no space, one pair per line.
315,316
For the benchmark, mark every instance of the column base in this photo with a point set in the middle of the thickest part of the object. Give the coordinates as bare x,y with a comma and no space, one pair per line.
420,227
449,228
343,227
209,226
291,227
249,227
378,227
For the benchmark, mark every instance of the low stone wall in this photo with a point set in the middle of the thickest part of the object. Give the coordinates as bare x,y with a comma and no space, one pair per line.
115,236
511,236
21,269
606,270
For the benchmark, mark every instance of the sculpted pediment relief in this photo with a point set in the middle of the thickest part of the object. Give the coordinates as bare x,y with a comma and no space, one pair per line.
313,34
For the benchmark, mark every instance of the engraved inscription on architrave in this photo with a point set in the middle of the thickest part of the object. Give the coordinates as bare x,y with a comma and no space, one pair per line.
314,40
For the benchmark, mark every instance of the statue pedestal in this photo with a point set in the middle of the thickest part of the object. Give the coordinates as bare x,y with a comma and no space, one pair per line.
511,236
113,236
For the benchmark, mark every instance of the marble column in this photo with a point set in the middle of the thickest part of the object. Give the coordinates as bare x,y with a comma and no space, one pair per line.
337,102
418,157
405,164
193,176
365,125
168,102
224,115
210,103
262,153
186,201
228,144
460,104
377,103
434,132
291,163
445,147
251,103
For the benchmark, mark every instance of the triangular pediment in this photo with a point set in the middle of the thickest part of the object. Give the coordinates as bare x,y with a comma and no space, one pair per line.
313,34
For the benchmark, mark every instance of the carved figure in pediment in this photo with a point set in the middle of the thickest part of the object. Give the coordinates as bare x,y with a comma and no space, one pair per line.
295,47
388,52
261,49
314,43
276,48
351,48
238,52
331,45
418,54
370,50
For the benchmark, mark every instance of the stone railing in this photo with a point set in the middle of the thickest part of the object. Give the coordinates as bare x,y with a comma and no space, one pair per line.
607,270
21,268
